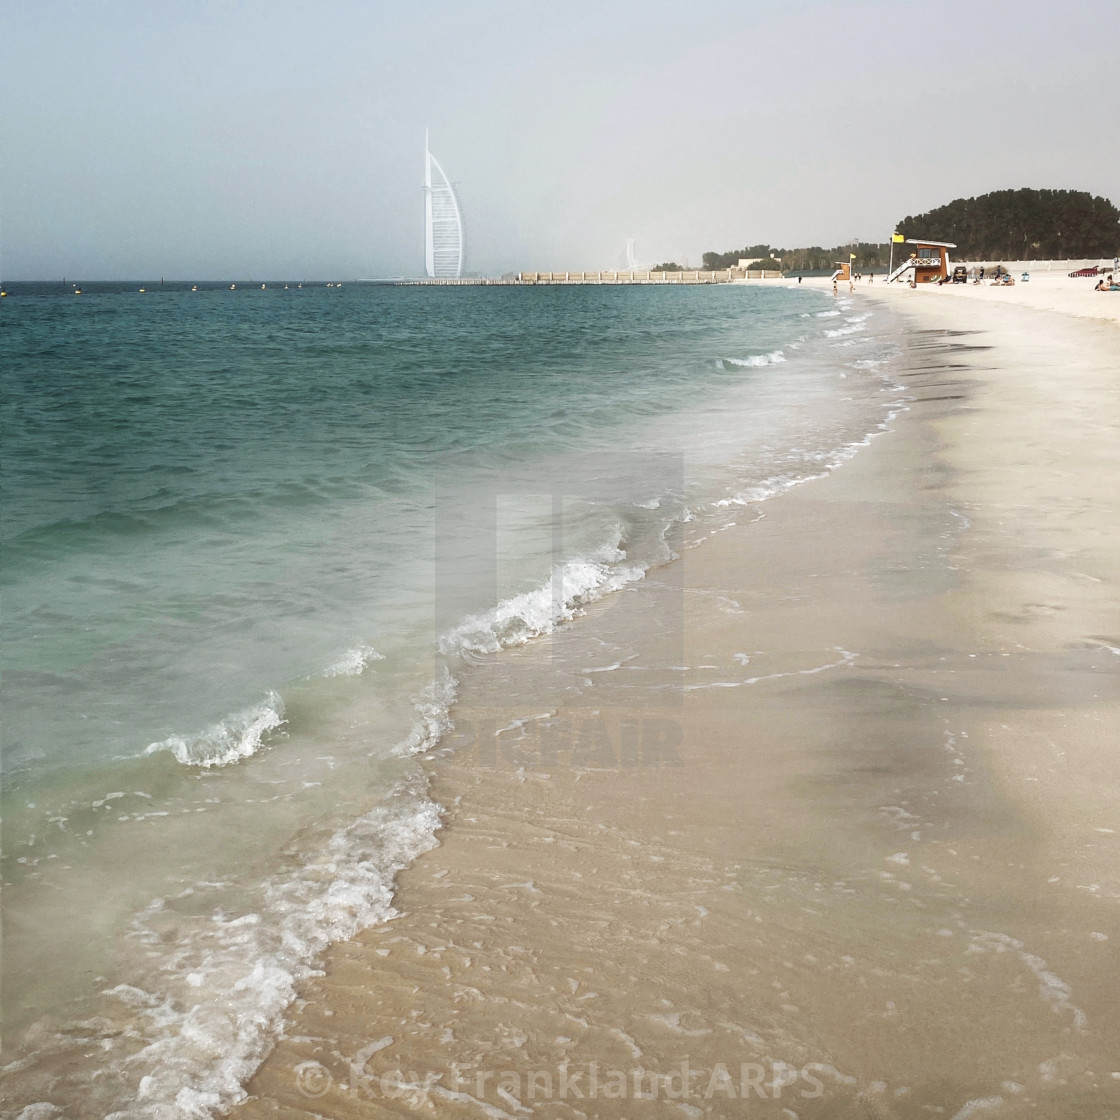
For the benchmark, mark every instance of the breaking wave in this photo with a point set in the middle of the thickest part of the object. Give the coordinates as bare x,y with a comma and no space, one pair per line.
755,360
229,740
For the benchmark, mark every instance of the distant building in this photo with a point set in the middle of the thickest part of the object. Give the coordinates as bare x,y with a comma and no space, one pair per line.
443,222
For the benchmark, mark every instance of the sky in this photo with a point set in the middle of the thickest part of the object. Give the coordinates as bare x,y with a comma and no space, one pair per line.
284,139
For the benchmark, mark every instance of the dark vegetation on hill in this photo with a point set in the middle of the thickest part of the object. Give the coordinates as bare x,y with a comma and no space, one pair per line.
1003,225
1023,225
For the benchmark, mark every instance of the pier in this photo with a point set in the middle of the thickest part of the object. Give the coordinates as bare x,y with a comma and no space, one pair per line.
633,276
647,276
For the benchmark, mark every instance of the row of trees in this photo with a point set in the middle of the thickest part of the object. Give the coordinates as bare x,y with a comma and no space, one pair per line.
1002,225
869,257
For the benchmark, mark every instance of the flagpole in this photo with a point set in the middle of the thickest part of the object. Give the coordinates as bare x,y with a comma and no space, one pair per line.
890,267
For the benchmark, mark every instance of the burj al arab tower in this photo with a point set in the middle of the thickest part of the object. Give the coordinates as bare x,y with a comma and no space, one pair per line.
443,224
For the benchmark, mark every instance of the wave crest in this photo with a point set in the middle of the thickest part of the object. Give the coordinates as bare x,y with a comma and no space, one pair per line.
517,620
755,360
353,662
229,740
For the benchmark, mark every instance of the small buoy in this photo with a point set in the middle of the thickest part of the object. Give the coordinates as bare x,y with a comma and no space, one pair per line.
232,287
2,293
143,289
77,291
262,287
194,288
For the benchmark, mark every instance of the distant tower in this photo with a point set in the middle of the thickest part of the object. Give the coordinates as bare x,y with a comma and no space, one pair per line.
443,224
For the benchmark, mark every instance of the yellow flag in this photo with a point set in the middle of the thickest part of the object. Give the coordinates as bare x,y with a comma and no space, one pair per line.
852,256
897,237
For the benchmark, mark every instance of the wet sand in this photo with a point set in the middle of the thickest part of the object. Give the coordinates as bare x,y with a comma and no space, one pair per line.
822,820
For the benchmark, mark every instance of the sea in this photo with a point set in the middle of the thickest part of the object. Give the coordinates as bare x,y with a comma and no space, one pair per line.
254,535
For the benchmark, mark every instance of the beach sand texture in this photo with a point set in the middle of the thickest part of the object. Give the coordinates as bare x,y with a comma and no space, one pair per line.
878,874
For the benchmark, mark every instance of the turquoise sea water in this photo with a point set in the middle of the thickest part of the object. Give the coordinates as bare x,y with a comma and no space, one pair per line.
251,537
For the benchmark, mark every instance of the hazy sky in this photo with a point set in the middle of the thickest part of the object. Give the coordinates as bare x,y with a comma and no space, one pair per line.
284,138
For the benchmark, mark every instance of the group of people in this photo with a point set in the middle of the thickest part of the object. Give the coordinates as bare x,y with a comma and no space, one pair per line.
1000,275
852,280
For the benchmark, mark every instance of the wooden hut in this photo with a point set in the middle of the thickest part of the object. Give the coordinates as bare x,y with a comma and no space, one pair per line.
928,260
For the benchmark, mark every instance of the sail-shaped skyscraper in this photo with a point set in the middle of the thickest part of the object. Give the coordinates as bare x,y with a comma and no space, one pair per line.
443,223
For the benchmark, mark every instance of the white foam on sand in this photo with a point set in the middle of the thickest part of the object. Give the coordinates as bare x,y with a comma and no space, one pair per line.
846,658
217,999
1051,988
977,1105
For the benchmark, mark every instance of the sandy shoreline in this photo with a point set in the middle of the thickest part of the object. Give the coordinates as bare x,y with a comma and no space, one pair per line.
860,859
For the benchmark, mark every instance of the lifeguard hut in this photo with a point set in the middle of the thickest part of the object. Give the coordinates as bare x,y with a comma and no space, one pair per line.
928,260
843,271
